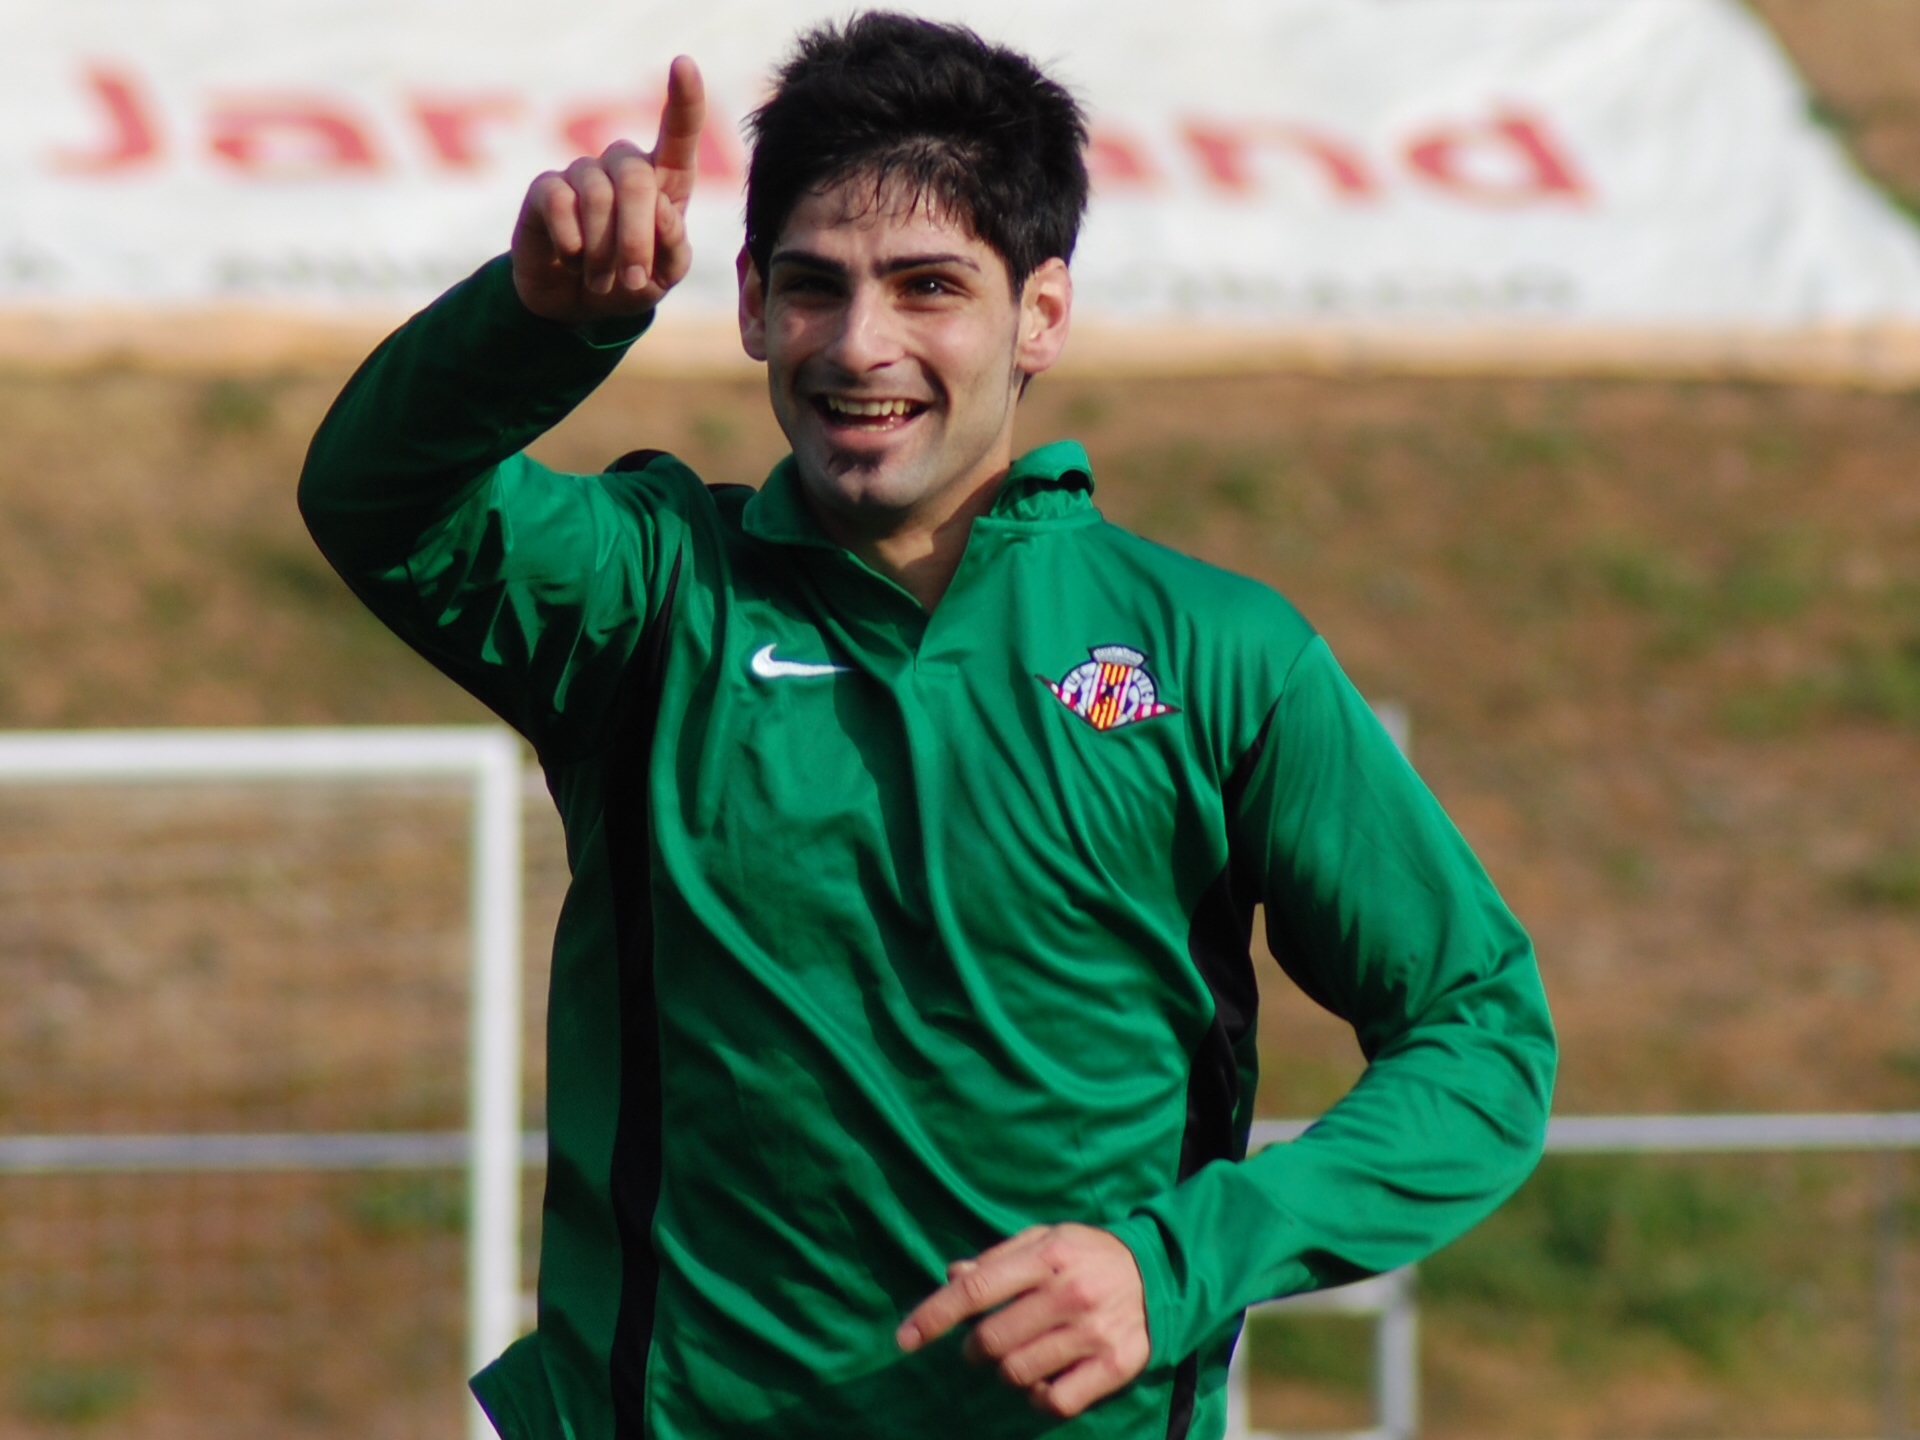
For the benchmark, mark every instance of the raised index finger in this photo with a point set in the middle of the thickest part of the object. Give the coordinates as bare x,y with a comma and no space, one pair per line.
676,152
999,1276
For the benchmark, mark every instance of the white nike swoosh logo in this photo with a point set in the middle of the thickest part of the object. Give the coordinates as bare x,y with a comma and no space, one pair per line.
768,668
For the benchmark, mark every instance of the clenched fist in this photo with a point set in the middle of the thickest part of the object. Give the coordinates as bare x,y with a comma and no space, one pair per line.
607,236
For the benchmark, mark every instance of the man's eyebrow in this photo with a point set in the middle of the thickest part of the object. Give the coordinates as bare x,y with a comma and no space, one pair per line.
806,259
924,262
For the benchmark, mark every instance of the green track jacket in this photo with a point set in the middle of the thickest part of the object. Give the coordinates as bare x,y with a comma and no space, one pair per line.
893,932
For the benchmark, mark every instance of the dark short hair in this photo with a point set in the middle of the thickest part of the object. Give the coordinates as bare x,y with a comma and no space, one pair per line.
929,111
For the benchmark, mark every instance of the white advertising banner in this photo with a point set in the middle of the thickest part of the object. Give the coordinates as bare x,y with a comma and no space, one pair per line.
1258,163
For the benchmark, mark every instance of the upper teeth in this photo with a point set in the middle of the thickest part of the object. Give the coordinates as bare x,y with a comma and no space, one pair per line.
868,407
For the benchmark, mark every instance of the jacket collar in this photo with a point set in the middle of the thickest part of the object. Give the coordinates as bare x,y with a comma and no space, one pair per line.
1050,483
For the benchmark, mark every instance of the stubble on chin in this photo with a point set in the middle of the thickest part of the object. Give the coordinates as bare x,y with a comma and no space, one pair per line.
857,492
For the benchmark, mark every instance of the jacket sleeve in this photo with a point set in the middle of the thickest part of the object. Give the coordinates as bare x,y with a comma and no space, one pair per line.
1380,912
527,586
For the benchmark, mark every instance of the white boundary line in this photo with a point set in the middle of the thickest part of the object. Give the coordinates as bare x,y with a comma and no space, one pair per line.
1689,1134
201,1154
489,759
428,1149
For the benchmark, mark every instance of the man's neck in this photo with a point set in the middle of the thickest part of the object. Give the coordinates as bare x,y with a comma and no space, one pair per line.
922,554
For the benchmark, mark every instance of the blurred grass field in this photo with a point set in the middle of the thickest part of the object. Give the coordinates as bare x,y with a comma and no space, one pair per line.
1661,647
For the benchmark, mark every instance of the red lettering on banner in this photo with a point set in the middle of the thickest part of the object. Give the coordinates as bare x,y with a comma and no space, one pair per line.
591,128
1510,160
1225,153
132,138
452,127
289,139
1115,159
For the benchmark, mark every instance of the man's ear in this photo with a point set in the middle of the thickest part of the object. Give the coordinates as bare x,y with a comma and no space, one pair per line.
1046,307
753,306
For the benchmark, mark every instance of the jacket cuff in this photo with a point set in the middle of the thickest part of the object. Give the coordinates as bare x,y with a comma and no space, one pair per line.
1141,1234
613,332
616,332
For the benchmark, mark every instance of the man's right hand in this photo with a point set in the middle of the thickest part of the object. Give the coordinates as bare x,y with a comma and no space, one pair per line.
608,236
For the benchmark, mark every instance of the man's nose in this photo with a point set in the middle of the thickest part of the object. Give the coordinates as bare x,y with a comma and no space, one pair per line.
869,334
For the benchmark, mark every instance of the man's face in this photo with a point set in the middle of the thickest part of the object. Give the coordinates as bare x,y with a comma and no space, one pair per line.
895,353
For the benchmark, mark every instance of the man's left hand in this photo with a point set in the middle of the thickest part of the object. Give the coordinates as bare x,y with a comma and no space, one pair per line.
1072,1326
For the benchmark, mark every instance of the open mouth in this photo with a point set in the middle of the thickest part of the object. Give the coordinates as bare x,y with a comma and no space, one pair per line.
844,412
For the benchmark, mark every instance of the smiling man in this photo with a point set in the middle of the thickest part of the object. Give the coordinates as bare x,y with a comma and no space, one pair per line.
897,346
902,1020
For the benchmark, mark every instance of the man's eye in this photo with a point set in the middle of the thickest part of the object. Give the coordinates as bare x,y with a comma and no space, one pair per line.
928,286
807,285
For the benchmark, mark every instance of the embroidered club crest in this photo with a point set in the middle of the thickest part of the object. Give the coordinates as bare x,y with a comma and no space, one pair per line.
1110,690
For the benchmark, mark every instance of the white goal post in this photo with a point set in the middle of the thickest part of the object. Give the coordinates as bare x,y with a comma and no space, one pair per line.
488,758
